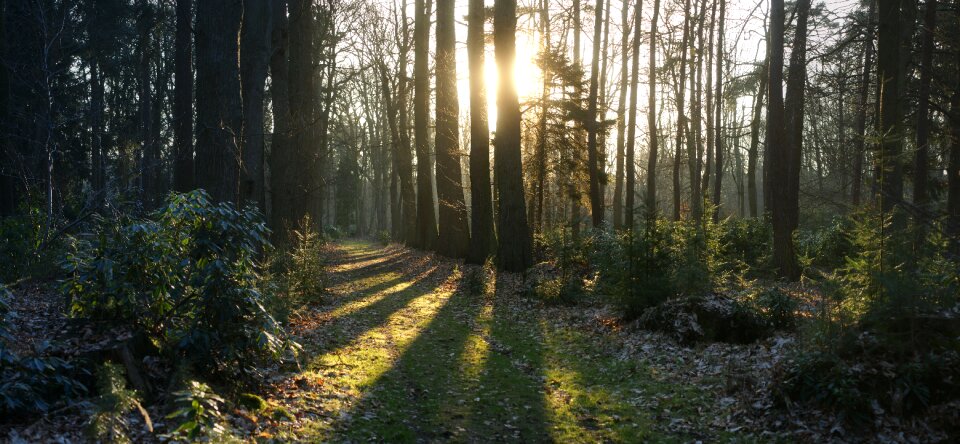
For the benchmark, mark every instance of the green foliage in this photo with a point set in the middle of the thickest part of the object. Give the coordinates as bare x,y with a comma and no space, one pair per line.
827,247
187,277
384,237
635,268
21,239
885,336
34,383
108,421
560,291
780,308
480,280
253,402
197,414
745,245
571,256
305,279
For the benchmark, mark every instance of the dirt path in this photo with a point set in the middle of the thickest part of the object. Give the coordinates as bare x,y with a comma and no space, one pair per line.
410,348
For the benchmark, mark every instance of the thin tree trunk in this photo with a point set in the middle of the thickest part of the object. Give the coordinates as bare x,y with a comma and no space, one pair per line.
593,127
755,144
681,114
861,122
718,113
632,124
651,200
621,116
891,128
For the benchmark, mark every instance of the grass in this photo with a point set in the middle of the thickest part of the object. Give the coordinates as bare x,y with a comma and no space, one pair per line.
404,352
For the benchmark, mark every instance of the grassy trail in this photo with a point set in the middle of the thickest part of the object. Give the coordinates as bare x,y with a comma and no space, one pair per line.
404,350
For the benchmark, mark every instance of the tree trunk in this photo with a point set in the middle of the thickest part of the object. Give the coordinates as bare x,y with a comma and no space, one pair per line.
921,162
621,116
454,235
183,98
149,148
219,108
953,167
718,113
794,115
97,153
515,245
482,239
861,122
891,128
755,144
783,251
632,124
695,142
681,114
651,201
708,167
426,222
283,157
593,127
254,63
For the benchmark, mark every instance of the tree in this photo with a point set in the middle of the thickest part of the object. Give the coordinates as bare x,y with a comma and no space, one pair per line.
515,247
789,200
861,121
718,114
783,253
651,201
631,175
621,115
482,239
681,113
149,146
183,98
426,221
921,163
593,127
219,108
254,63
753,153
889,164
454,235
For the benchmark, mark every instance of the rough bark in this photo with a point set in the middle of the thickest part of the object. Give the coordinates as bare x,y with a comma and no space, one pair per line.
921,160
861,121
426,222
651,200
718,115
621,115
482,239
593,127
753,153
890,123
632,124
254,64
515,247
681,113
454,235
183,98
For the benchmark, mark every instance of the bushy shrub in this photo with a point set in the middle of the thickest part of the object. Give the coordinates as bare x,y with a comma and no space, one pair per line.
384,237
21,239
306,278
108,419
187,277
827,247
197,413
638,271
745,245
780,308
888,334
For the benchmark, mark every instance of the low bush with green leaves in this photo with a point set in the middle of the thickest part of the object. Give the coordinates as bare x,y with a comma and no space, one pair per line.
779,307
108,420
187,277
197,413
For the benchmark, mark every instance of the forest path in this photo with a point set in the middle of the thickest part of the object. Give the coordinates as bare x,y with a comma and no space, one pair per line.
410,347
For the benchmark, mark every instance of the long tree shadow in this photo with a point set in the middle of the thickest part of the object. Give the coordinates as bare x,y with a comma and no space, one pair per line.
390,263
345,329
471,374
422,396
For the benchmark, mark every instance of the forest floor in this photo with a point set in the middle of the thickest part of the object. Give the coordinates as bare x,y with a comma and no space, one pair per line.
404,350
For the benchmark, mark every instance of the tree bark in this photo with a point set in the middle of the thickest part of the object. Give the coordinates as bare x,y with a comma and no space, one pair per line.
651,201
621,115
482,240
793,111
254,64
861,122
632,124
514,243
183,98
593,127
454,235
149,148
681,114
753,153
219,108
718,114
783,250
426,222
890,125
921,160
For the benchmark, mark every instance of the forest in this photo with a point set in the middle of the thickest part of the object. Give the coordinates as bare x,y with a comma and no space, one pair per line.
479,221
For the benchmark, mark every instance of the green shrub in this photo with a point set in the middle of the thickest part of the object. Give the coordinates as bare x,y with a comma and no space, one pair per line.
384,237
829,246
306,277
780,308
647,276
21,239
108,420
188,278
197,414
745,245
560,291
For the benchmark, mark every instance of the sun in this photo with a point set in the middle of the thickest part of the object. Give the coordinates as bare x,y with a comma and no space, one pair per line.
526,75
